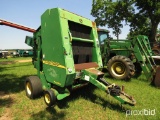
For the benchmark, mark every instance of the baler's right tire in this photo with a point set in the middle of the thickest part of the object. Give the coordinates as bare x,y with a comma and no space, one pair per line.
121,67
33,87
50,98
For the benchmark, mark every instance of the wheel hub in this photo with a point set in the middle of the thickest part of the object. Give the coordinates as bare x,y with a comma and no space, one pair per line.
47,98
118,69
28,87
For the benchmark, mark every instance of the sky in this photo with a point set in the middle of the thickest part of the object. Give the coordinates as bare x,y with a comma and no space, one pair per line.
28,13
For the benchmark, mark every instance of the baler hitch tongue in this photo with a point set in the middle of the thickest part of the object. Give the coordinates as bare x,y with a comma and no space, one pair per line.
126,99
112,89
121,96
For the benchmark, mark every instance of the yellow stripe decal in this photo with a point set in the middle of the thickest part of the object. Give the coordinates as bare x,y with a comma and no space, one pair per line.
58,83
54,64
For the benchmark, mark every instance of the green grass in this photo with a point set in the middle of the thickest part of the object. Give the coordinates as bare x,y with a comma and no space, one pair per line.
88,103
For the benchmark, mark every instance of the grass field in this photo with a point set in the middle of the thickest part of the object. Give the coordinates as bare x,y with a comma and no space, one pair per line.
15,59
88,103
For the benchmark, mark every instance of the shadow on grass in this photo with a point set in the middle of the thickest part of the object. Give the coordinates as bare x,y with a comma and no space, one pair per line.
87,93
107,76
142,78
11,83
6,102
4,67
49,114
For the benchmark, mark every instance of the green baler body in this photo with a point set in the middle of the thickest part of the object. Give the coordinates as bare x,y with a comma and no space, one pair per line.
67,55
59,32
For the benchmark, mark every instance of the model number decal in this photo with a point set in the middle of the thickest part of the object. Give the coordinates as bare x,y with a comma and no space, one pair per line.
53,64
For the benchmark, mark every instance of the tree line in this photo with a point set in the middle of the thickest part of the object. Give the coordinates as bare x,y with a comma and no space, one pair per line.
143,16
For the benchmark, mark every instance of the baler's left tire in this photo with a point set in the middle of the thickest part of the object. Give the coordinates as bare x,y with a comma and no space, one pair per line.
33,87
50,98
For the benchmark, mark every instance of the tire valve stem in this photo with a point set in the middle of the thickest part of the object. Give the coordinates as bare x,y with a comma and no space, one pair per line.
122,88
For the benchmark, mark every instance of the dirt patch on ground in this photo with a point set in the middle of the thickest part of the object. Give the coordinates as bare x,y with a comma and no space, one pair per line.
6,115
13,62
22,61
3,95
6,100
7,62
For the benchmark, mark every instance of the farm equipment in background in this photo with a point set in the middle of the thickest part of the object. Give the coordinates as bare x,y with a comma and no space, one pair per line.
25,53
67,56
3,54
156,52
28,53
21,27
20,52
126,58
156,48
15,25
158,37
15,54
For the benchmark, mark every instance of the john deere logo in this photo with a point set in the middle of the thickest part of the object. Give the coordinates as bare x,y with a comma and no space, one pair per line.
80,20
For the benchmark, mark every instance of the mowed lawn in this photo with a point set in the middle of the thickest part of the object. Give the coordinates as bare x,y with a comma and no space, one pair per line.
87,103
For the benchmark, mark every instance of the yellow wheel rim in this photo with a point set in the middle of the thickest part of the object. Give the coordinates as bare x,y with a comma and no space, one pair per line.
47,98
118,69
28,88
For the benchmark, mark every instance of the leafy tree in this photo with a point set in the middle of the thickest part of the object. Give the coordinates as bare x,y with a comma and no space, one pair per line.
105,13
141,29
143,16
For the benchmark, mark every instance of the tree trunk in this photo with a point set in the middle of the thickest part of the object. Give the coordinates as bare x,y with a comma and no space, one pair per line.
153,33
117,36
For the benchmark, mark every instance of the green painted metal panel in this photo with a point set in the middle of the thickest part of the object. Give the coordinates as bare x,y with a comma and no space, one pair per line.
96,49
57,53
74,17
52,49
29,40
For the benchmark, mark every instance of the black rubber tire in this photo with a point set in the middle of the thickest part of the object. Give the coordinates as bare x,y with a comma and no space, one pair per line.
33,87
50,98
121,67
138,69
